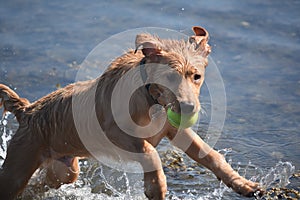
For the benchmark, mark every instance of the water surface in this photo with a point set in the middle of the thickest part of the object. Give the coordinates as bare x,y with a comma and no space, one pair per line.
255,46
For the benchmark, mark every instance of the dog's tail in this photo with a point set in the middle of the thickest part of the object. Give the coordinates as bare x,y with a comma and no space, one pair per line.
11,101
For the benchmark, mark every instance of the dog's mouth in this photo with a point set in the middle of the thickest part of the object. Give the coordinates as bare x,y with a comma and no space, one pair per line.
184,108
180,114
167,99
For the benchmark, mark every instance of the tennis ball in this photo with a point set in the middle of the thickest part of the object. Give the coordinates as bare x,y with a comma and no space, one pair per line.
181,120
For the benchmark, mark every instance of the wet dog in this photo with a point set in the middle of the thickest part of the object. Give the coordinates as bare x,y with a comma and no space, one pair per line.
49,134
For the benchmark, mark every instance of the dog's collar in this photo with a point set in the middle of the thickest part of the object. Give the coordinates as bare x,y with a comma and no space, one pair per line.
144,77
143,71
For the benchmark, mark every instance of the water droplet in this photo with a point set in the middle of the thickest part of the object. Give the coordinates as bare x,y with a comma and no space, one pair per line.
4,122
245,24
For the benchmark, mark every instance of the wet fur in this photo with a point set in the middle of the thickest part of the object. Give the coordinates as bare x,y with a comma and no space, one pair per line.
47,131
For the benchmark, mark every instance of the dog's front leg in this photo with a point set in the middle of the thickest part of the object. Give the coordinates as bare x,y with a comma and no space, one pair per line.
154,177
199,151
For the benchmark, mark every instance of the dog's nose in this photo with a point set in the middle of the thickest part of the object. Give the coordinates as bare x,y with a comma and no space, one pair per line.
187,107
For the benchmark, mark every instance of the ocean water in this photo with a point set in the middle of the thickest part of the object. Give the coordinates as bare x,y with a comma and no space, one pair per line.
255,47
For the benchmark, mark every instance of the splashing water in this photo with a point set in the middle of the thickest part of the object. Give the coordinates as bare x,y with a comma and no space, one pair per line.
274,182
278,176
95,182
5,134
100,182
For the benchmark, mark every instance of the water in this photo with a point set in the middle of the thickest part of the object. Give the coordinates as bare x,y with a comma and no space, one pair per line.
186,179
255,46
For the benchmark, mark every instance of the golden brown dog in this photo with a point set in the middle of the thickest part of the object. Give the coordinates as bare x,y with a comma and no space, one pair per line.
48,134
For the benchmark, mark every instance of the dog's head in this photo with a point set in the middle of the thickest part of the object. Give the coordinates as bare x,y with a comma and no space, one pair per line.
175,69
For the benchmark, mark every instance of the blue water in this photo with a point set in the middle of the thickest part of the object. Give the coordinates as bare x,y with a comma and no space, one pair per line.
255,45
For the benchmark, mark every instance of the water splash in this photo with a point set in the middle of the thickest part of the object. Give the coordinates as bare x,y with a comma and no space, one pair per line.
6,133
95,182
278,176
100,182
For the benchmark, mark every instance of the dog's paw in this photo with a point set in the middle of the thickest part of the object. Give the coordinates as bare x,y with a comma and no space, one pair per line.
155,185
246,188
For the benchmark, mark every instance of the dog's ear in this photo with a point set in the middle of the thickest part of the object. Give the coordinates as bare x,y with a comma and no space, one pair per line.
200,35
150,45
200,40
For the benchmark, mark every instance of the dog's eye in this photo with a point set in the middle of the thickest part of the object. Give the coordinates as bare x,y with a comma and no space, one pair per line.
197,77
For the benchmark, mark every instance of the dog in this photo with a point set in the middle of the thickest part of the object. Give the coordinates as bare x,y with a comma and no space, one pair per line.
48,134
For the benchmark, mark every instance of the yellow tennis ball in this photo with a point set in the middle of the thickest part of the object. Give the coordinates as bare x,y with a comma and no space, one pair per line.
181,120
